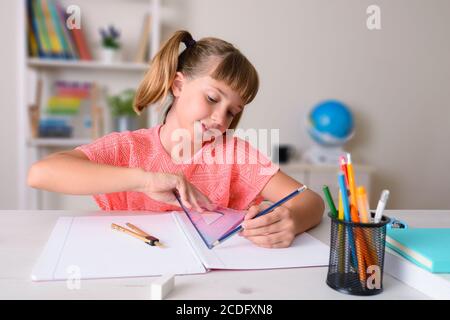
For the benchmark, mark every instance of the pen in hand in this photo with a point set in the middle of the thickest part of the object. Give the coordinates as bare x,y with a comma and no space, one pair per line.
269,209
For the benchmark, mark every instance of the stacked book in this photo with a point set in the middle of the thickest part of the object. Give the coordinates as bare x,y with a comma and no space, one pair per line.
52,33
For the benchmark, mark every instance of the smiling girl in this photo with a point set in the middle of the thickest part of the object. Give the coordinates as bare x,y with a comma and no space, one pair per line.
207,86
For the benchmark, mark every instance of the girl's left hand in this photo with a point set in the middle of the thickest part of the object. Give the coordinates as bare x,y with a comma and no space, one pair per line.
275,229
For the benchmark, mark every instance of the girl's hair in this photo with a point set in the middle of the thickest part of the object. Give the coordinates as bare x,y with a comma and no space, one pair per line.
196,60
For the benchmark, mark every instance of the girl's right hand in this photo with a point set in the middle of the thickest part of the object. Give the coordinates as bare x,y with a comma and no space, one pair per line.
160,186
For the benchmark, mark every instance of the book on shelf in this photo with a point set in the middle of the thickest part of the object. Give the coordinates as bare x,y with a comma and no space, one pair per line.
71,111
142,54
49,35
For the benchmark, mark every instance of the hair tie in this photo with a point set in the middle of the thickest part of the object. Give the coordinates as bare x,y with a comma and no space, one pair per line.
190,43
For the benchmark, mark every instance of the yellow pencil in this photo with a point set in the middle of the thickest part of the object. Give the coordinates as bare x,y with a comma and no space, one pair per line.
340,207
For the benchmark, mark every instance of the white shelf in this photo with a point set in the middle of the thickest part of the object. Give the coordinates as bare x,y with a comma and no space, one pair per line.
57,142
41,64
114,76
293,166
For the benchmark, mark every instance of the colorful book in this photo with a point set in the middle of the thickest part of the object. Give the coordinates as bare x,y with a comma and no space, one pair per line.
81,44
426,247
66,32
55,45
43,39
58,29
33,46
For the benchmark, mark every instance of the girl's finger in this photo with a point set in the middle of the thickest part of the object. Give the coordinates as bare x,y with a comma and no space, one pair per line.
195,203
205,202
183,192
254,210
269,229
282,244
262,221
268,240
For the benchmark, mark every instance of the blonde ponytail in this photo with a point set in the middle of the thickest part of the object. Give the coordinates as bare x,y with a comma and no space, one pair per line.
158,79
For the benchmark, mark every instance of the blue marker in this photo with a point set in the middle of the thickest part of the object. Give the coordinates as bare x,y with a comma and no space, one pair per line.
273,206
347,217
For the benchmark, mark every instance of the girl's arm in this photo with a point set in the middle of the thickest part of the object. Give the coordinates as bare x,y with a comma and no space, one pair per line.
71,172
278,228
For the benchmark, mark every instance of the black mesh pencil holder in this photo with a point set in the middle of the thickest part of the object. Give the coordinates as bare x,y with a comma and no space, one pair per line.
357,256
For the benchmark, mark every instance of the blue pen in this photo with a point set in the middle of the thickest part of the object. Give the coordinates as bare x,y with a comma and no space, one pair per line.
273,206
346,205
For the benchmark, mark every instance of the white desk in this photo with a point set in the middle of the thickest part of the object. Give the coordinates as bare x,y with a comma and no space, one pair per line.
24,234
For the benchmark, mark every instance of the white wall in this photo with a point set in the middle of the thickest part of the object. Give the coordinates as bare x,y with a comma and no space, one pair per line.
396,80
8,93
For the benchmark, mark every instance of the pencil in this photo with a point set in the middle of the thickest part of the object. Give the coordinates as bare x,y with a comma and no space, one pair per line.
154,241
150,242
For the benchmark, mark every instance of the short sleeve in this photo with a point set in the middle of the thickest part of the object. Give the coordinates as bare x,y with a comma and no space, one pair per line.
251,171
112,149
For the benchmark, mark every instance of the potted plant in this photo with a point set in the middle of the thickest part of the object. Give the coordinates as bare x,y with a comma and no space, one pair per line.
122,110
110,44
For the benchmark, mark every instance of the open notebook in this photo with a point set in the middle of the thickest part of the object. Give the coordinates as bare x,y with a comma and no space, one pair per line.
89,246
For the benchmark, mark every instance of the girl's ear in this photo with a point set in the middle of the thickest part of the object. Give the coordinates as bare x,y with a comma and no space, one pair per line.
177,85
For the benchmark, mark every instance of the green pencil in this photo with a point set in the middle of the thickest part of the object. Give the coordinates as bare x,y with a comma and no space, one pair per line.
327,193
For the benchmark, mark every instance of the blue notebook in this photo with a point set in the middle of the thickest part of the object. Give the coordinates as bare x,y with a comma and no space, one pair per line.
426,247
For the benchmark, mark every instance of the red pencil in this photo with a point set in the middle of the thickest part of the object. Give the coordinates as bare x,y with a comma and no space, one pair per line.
343,165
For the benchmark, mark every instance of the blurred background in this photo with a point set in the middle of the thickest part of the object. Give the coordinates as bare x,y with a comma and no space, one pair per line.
384,65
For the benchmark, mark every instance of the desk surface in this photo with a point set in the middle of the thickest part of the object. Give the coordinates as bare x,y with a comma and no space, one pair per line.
25,233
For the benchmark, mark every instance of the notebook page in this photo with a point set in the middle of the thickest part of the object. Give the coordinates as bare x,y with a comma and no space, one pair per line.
191,233
45,266
239,253
94,250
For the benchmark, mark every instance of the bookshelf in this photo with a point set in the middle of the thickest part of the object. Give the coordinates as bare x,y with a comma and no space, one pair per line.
41,64
111,78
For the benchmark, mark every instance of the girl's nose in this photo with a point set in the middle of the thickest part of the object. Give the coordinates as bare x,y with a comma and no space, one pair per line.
219,118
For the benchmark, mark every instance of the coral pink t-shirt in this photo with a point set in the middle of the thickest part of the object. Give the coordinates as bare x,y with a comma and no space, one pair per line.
234,183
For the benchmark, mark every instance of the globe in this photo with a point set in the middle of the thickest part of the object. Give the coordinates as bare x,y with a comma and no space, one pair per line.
330,123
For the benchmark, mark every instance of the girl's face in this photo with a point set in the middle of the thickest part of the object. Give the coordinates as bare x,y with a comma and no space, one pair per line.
205,103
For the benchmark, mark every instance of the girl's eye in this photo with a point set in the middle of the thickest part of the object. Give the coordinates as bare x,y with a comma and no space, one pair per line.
231,114
211,99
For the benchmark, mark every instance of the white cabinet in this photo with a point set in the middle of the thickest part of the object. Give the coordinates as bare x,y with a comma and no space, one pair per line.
316,176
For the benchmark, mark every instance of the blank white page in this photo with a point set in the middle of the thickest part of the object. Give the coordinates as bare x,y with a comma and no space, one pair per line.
239,253
96,251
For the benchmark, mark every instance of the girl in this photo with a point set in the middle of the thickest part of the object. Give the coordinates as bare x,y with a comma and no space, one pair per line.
207,87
